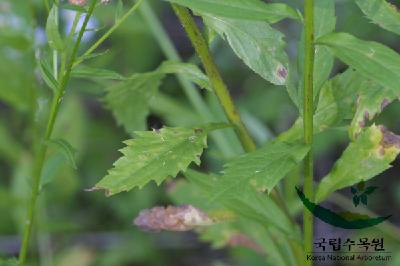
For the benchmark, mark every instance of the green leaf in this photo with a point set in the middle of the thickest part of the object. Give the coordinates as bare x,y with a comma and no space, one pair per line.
259,46
154,155
129,100
371,101
239,9
50,169
53,35
364,199
335,105
248,203
47,75
8,262
373,60
76,8
363,159
119,10
190,71
382,13
262,169
66,149
83,71
325,22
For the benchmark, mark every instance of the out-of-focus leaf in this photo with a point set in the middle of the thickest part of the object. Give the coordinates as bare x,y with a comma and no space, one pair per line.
325,22
373,60
366,157
241,9
51,167
129,100
119,9
372,99
73,7
47,75
382,13
53,35
249,203
262,169
10,148
9,262
259,46
190,71
66,149
83,71
14,40
154,155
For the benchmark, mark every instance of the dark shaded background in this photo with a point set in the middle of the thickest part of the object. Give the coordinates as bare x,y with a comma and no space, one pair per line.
81,228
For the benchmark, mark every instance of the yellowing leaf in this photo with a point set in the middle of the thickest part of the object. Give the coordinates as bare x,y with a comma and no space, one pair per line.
366,157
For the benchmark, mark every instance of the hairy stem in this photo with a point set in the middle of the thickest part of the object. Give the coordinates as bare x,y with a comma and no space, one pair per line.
108,33
219,86
308,119
189,89
40,158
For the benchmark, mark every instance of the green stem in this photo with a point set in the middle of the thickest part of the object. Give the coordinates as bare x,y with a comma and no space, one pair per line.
108,33
189,89
218,84
308,120
40,158
222,93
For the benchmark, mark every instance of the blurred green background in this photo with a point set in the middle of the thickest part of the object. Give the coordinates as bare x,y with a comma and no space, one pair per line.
81,228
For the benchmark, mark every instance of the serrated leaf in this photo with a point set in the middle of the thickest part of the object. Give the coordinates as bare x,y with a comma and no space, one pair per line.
325,22
260,46
154,155
366,157
241,9
47,75
129,100
190,71
372,99
373,60
53,35
66,149
262,169
83,71
382,13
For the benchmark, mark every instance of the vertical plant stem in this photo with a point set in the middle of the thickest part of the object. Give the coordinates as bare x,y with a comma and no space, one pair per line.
219,86
308,119
189,89
40,158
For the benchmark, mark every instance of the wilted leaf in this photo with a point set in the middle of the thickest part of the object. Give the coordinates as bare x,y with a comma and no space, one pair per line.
53,35
372,99
382,13
366,157
373,60
262,169
154,155
259,46
129,100
240,9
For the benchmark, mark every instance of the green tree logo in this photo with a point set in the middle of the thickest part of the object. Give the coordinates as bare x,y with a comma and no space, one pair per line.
361,193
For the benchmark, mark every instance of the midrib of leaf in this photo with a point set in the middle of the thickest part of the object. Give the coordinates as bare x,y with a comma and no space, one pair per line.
154,160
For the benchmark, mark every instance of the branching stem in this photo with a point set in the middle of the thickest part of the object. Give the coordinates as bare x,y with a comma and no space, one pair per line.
41,155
